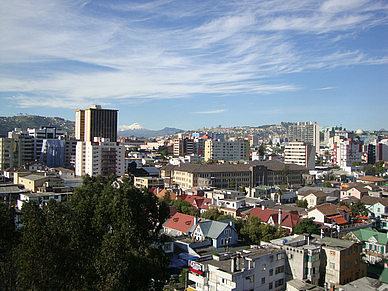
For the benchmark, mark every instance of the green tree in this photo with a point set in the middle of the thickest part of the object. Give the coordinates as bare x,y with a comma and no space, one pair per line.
320,200
9,239
359,208
214,214
185,207
302,203
306,225
262,150
250,231
47,257
106,238
327,184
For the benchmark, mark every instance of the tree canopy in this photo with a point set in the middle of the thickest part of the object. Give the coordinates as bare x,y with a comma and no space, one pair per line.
306,225
105,238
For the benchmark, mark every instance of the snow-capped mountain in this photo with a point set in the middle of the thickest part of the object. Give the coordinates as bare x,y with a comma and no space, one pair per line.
134,126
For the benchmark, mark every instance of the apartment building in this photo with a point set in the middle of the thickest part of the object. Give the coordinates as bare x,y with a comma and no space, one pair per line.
300,153
100,157
183,147
346,152
96,122
302,257
260,268
43,134
306,132
227,150
148,182
376,152
341,261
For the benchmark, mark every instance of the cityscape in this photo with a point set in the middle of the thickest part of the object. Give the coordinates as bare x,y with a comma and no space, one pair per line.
293,206
194,145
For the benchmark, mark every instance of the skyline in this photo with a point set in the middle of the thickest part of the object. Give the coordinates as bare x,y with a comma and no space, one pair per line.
191,65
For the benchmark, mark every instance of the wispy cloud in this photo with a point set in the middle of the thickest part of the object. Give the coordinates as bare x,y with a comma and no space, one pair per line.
125,52
326,88
216,111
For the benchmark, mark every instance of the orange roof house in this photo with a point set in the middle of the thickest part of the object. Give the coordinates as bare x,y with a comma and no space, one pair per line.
180,224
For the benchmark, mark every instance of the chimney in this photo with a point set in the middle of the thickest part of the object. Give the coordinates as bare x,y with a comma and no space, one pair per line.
262,207
280,217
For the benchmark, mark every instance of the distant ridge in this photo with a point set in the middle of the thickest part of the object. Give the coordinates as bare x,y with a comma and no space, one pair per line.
34,121
146,133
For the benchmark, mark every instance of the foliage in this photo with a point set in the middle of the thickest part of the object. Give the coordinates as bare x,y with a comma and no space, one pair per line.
306,225
215,214
302,203
261,150
185,207
327,184
253,231
320,200
359,208
106,238
8,243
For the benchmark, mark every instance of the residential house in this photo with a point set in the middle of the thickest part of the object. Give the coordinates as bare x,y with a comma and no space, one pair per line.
378,208
41,198
356,191
148,182
276,217
378,181
341,261
180,224
313,197
200,202
220,233
329,213
374,243
259,268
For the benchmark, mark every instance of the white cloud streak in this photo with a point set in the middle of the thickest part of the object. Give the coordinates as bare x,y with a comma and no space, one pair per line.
216,111
83,52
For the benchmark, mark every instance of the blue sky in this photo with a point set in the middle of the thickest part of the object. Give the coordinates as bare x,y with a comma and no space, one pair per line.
193,64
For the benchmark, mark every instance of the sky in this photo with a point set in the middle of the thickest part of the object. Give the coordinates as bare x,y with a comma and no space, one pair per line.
192,64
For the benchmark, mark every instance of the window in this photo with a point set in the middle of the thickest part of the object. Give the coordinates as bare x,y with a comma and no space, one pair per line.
271,272
346,265
263,267
271,259
262,281
355,249
332,265
279,282
279,256
252,278
279,270
355,262
350,251
270,286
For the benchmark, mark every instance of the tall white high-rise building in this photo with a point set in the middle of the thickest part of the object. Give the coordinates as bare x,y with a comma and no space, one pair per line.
100,157
300,153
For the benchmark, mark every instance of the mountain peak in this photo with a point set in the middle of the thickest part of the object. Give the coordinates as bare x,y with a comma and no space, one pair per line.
134,126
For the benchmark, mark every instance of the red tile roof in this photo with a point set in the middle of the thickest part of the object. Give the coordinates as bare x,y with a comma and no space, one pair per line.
329,209
180,222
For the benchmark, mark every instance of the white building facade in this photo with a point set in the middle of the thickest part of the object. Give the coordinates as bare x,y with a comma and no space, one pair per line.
346,152
227,150
100,157
300,153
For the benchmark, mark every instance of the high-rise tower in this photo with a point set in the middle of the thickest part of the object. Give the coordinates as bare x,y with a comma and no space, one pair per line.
96,122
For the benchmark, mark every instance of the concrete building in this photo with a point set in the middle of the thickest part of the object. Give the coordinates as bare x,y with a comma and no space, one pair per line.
341,261
41,134
300,153
256,269
376,152
306,132
148,182
227,150
96,122
302,257
225,175
100,157
183,147
346,152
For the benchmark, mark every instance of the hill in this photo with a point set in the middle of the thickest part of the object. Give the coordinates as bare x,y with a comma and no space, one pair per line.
33,121
146,133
